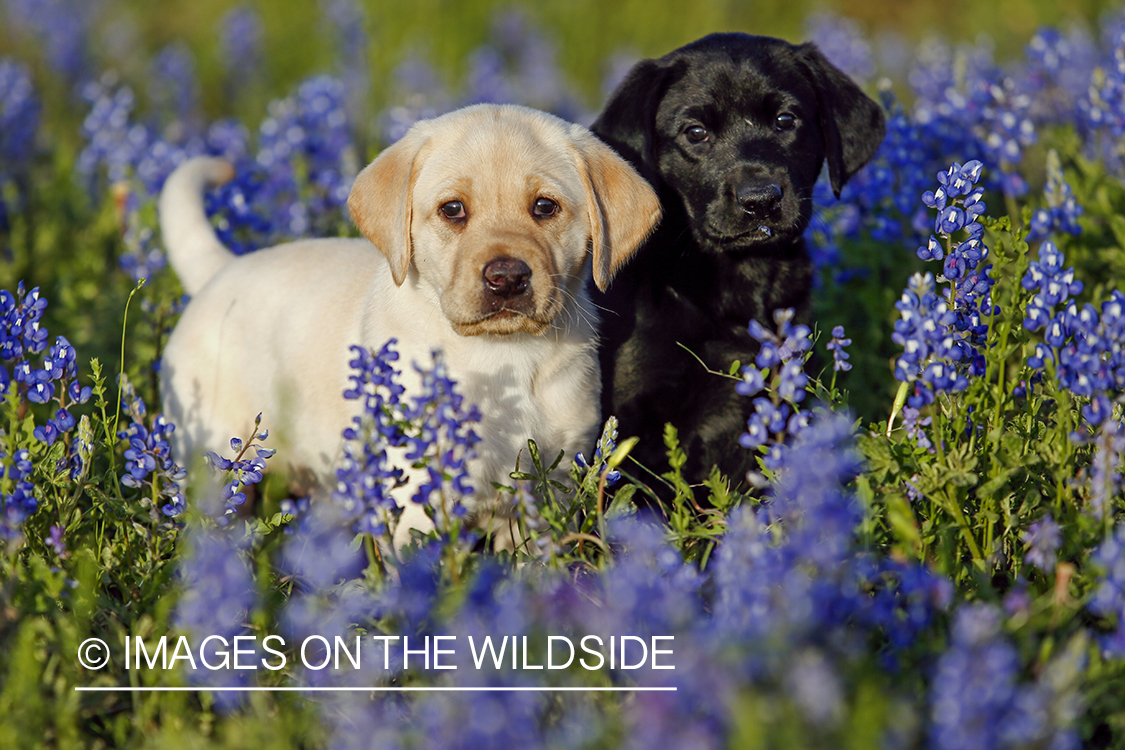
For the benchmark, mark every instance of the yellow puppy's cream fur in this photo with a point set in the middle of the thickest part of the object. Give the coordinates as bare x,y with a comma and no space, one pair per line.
270,331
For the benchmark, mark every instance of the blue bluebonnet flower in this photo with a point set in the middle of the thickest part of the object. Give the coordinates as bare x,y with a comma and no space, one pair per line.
1043,539
974,687
19,502
113,142
941,333
838,346
1105,470
843,43
607,443
432,427
307,134
418,94
915,427
518,66
54,380
319,554
1109,596
648,585
818,514
789,577
781,357
764,586
19,118
241,473
296,508
20,333
1008,130
59,366
148,457
347,22
1084,344
56,542
881,199
143,258
1057,73
788,604
1103,107
173,87
905,600
365,477
972,109
925,331
62,28
240,34
977,700
297,182
1053,285
946,83
218,596
444,443
1061,213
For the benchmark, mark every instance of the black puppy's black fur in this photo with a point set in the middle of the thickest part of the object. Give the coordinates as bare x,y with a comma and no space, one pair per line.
732,131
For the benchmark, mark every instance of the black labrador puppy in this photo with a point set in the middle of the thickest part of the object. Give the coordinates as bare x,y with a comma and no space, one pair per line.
732,130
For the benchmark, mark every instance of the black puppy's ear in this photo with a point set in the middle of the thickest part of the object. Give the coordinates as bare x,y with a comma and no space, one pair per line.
628,121
852,122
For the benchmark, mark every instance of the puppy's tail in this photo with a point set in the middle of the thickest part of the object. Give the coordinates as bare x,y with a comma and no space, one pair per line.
194,250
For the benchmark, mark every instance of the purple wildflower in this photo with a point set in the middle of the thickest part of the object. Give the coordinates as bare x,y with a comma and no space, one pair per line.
1043,539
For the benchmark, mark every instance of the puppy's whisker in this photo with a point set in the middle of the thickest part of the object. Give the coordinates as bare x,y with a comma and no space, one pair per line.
577,310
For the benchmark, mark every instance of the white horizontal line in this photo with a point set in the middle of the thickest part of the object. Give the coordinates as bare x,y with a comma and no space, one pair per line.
375,689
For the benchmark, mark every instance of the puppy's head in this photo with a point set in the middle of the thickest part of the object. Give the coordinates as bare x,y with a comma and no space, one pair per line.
737,127
497,209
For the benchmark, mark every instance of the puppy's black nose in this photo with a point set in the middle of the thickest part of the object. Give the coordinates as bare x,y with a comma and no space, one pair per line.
759,199
507,277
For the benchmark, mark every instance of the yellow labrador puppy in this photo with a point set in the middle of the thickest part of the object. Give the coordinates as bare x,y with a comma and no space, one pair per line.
486,223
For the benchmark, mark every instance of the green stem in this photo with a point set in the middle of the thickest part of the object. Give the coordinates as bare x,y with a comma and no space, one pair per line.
950,500
121,370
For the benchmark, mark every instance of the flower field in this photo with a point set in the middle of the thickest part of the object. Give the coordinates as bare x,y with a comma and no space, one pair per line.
933,554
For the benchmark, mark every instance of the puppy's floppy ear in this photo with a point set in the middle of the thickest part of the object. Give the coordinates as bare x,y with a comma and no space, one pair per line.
628,121
853,124
381,199
623,208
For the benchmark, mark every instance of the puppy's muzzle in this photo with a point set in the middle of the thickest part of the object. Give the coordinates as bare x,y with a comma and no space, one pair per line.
759,200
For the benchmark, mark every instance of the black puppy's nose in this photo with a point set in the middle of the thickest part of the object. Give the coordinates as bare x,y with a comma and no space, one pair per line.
507,277
759,199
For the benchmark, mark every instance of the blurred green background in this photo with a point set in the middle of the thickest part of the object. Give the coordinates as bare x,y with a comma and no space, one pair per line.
586,33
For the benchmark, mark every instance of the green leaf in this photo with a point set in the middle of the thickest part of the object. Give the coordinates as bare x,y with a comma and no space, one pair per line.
622,504
901,518
536,461
555,464
720,495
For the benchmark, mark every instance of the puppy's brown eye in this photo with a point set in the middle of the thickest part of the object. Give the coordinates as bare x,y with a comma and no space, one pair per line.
544,207
786,121
696,134
453,210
